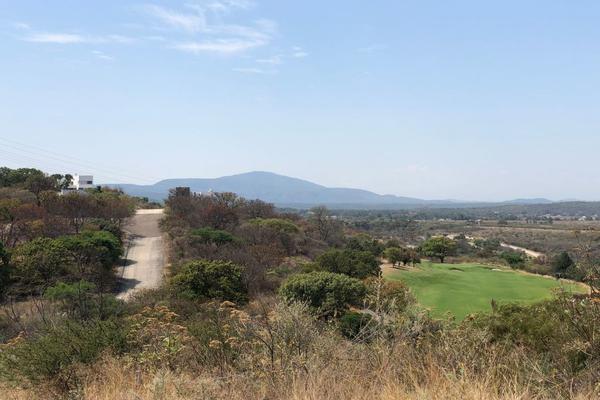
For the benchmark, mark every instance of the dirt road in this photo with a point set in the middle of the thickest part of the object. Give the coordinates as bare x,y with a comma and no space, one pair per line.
528,252
145,262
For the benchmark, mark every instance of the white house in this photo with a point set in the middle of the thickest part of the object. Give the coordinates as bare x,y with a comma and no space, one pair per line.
82,182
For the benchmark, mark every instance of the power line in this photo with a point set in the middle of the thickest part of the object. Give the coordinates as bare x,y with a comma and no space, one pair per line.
67,160
29,159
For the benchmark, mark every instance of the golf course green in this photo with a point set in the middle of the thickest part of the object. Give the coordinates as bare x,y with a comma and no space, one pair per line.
462,289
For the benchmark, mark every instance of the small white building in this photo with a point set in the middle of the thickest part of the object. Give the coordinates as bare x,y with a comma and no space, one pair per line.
82,182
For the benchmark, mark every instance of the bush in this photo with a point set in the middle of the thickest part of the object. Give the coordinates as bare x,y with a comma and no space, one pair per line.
50,356
354,325
388,296
39,263
276,224
80,300
363,242
94,246
562,264
108,226
514,259
213,236
326,293
354,263
210,279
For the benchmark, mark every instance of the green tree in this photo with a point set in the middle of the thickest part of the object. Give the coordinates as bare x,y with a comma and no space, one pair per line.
38,183
363,242
354,263
210,279
404,255
562,263
439,247
326,293
94,247
514,259
39,263
215,236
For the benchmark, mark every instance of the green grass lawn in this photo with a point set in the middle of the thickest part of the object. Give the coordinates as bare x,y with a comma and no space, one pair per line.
462,289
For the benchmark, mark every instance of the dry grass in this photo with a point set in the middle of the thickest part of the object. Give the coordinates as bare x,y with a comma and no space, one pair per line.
313,362
380,375
111,380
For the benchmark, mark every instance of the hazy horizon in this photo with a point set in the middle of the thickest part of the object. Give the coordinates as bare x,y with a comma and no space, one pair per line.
465,101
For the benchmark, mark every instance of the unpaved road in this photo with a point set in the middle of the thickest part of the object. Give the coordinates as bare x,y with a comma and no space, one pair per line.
528,252
145,262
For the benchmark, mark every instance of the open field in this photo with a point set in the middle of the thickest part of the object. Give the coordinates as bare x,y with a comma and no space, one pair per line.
461,289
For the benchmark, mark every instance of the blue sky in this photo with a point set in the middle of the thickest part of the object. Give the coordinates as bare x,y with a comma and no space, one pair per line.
473,100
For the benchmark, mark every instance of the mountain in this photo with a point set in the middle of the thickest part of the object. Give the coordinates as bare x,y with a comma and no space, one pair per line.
285,191
270,187
528,201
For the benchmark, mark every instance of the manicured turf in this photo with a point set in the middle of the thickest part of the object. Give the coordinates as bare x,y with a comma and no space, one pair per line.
462,289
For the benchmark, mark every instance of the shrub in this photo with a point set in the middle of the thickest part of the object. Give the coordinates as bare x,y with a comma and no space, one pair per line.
514,259
157,339
107,225
210,279
94,247
388,296
277,224
355,325
327,293
363,242
354,263
75,299
50,356
562,263
40,262
213,236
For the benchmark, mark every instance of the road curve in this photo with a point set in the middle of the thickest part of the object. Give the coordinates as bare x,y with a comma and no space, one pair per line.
145,259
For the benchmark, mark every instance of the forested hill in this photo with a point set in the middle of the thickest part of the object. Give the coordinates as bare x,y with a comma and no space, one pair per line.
293,192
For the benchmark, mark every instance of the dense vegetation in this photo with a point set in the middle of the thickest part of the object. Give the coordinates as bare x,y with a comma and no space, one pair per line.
264,304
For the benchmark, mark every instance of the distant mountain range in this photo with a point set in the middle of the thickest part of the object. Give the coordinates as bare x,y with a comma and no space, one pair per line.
285,191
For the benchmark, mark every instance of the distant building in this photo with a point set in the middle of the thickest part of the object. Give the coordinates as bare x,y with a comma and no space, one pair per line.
82,182
79,184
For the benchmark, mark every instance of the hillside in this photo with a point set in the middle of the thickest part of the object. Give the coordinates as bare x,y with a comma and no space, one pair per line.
293,192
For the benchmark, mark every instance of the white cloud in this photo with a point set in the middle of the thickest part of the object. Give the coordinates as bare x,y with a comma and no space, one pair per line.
217,36
373,48
227,6
189,22
21,25
256,71
71,38
102,56
225,46
416,169
57,38
118,39
274,60
298,52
